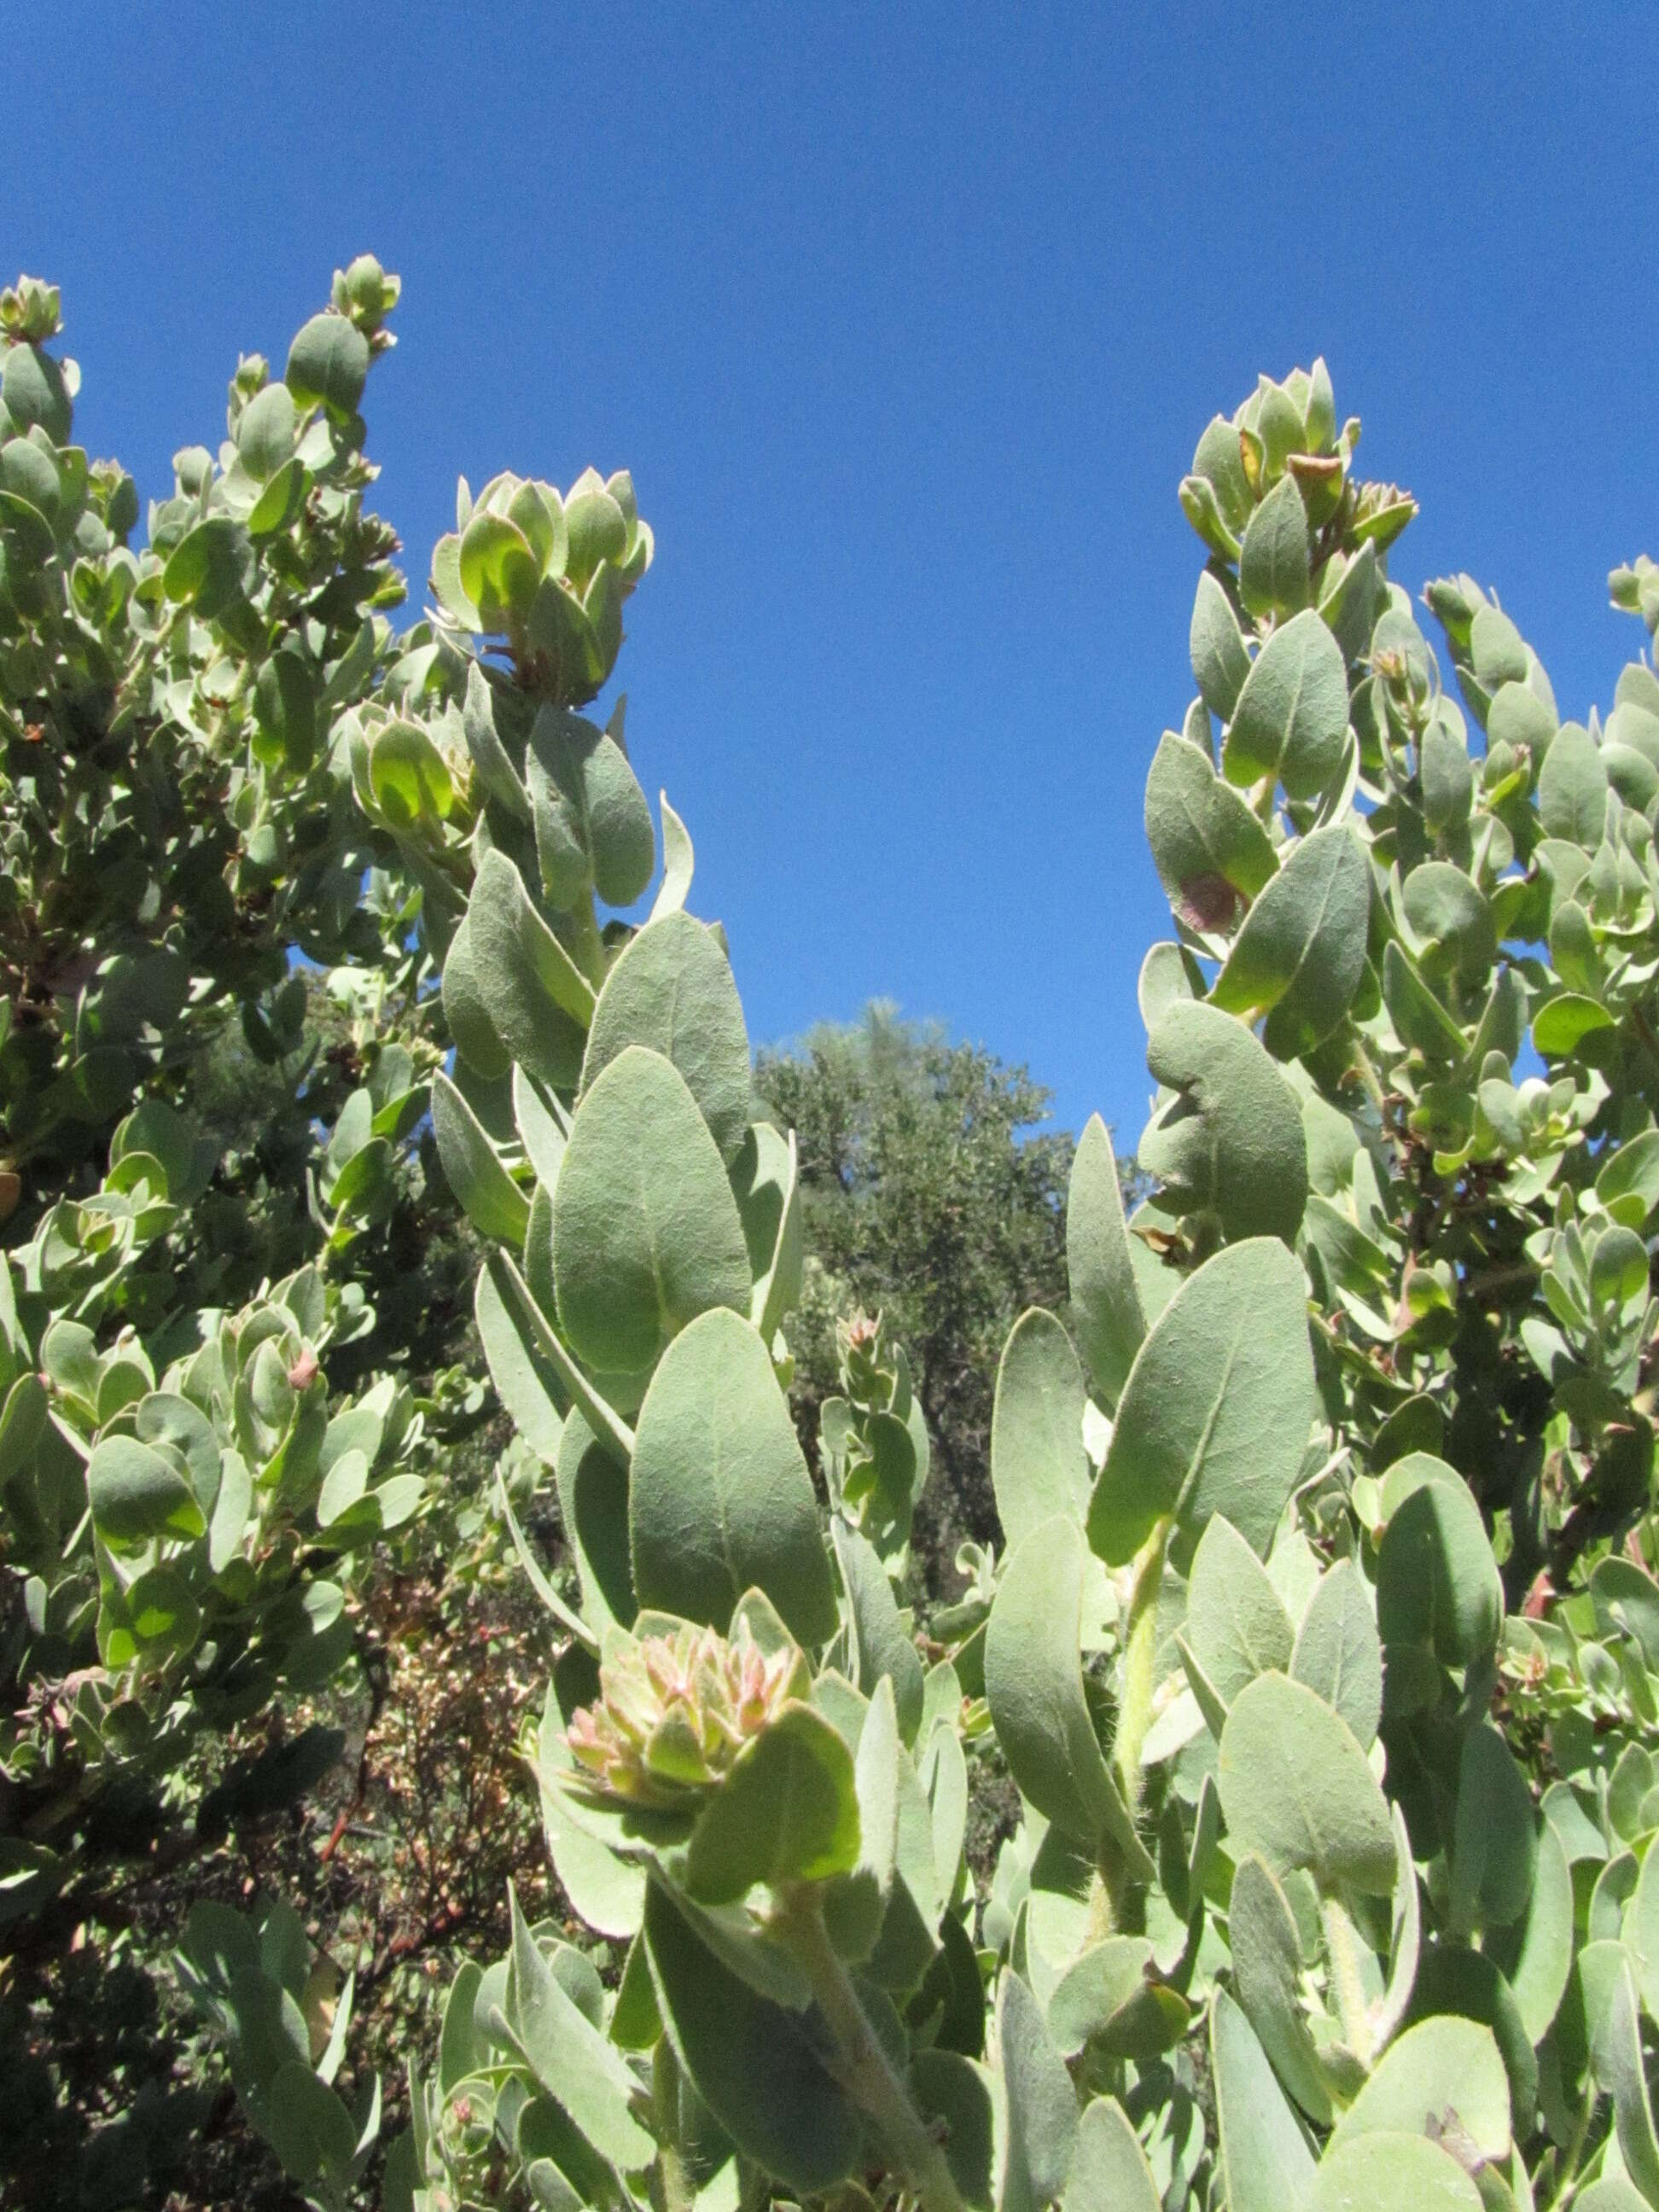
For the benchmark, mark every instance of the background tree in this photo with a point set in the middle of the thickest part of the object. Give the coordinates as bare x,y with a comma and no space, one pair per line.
933,1193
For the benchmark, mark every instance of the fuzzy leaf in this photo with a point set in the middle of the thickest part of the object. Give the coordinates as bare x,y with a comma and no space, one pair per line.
671,991
763,2070
720,1500
1292,718
1295,1787
1034,1685
646,1232
1038,1465
1215,1415
1230,1141
1104,1299
787,1811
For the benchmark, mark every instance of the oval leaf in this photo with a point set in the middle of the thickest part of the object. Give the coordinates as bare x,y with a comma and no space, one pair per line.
672,991
1295,1787
1216,1413
646,1231
721,1500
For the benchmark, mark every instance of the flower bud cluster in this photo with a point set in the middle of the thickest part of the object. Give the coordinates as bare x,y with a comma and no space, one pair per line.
674,1711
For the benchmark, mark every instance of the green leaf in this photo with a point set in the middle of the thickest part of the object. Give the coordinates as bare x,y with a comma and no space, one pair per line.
854,1908
1627,1183
1447,776
1611,2193
766,1179
678,859
281,501
490,755
594,1507
1495,1846
1218,462
944,1778
211,567
1266,2165
721,1500
1301,953
1273,557
1230,1141
1390,2173
1538,1970
161,1611
1296,1788
1618,2054
1408,1938
1109,2173
645,1230
470,1025
1220,663
1237,1626
265,431
590,773
328,366
1038,1465
1437,1581
543,1128
1216,1413
907,1944
549,1360
1444,2070
1338,1653
285,710
34,390
787,1811
1573,788
307,2126
671,991
1418,1017
1561,1026
1266,1955
1039,2105
1447,911
537,1001
1105,1302
955,2098
135,1495
1034,1686
23,1425
1210,850
1497,648
493,1201
527,1387
761,2070
882,1648
586,2076
499,572
1110,2000
1291,720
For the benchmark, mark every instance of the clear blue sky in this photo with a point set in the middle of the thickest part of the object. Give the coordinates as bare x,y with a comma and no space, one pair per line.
906,320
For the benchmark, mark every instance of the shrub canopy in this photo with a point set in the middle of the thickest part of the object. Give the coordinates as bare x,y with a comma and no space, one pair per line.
1322,1638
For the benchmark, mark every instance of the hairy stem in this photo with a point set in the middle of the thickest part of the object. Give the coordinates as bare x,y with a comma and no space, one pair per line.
864,2068
1365,1070
674,2185
1134,1715
1342,1955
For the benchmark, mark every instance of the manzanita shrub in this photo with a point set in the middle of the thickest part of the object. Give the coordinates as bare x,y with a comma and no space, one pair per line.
1322,1643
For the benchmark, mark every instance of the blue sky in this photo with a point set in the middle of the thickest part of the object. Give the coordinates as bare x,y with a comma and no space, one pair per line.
906,320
